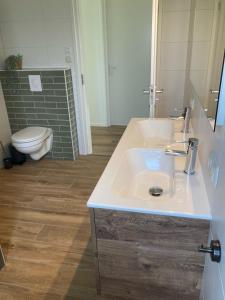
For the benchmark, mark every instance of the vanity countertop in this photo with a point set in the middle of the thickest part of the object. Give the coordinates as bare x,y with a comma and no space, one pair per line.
189,198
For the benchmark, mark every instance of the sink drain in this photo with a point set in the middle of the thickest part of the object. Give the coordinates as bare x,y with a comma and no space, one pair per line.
155,191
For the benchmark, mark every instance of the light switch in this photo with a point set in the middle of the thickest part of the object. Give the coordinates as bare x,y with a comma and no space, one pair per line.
35,83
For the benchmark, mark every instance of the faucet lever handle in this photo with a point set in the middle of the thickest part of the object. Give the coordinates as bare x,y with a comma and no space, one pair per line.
193,142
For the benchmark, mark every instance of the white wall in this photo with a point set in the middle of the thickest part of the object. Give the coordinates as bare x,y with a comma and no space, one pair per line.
5,132
214,275
41,30
93,52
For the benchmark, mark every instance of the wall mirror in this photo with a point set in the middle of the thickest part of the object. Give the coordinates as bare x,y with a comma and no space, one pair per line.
207,36
117,47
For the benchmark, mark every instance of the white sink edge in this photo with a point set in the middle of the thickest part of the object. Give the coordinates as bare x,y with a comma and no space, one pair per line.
192,203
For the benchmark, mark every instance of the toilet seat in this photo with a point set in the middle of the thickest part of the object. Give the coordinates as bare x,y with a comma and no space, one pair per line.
34,141
30,135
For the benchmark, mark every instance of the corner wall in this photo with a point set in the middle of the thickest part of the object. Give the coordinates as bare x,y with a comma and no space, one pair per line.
5,132
214,275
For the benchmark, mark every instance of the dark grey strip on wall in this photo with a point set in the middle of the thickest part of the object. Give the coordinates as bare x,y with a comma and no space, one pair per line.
54,107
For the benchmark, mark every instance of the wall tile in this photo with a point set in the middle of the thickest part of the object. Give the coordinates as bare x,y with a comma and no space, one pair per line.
175,26
26,108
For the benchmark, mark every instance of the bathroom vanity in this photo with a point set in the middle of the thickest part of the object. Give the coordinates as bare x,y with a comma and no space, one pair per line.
146,243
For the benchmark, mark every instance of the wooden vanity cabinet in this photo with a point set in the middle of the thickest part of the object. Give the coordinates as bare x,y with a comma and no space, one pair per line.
148,257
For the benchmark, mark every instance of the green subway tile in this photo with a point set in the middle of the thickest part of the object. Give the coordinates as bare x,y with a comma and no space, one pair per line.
56,111
35,110
25,86
57,139
65,139
54,86
16,110
58,122
11,115
63,156
62,105
50,105
60,92
20,122
37,122
47,80
52,73
10,104
10,86
21,116
63,117
46,116
57,149
48,92
60,133
56,130
55,99
27,73
33,98
67,149
39,104
59,80
24,92
23,80
65,128
24,104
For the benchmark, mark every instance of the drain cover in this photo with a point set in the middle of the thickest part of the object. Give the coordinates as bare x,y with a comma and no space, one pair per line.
155,191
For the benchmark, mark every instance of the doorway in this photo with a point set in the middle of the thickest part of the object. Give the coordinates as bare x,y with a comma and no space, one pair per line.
116,46
128,38
135,58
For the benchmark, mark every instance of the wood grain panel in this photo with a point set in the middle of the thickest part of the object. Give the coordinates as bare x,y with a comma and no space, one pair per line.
151,254
45,230
105,139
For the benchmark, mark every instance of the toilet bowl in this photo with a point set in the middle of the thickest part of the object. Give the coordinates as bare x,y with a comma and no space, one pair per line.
35,141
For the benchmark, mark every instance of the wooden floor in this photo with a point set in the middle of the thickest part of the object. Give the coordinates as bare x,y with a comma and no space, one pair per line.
104,139
45,229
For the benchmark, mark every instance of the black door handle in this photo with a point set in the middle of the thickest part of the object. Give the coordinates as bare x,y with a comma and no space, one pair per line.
214,250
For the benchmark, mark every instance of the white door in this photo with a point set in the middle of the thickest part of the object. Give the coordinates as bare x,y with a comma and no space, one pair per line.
129,24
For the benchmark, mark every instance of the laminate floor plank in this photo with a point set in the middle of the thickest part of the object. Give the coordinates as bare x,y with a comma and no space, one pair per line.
45,230
104,139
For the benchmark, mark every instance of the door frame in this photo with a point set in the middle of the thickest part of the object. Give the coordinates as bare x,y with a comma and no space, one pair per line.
106,58
82,111
154,57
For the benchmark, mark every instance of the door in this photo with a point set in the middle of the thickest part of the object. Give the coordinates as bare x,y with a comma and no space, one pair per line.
129,24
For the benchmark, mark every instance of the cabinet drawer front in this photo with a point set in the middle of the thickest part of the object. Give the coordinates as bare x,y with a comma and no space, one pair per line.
141,255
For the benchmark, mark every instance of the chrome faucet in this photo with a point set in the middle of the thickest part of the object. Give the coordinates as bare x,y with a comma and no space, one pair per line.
191,155
186,116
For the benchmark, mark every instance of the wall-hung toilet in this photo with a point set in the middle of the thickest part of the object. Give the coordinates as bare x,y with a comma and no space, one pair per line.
35,141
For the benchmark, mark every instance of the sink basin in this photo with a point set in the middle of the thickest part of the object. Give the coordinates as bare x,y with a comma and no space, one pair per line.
153,132
141,170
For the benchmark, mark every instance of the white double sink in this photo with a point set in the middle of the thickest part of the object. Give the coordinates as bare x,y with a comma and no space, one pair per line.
139,165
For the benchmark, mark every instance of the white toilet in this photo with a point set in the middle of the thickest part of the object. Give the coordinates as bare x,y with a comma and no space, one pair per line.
35,141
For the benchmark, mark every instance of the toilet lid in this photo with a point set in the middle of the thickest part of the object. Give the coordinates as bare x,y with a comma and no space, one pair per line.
29,134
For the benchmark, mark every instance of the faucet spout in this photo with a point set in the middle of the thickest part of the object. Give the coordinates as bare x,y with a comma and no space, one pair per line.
190,154
178,153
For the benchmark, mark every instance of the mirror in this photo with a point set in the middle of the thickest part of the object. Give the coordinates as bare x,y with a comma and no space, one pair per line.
207,36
